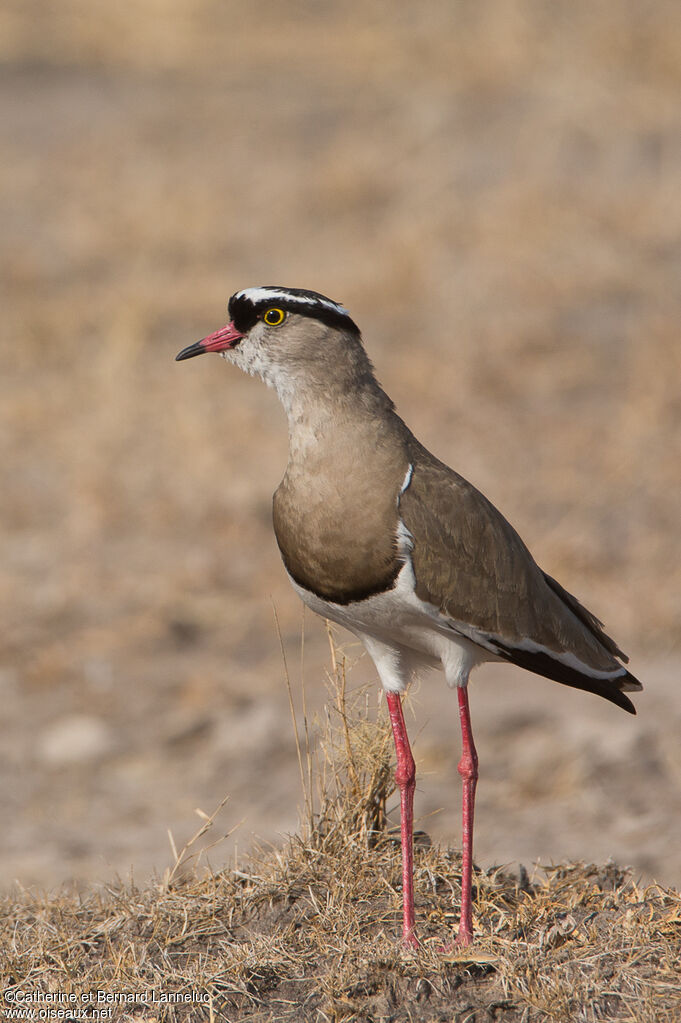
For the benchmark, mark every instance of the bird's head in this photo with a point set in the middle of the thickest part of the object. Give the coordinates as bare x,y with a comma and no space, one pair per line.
283,334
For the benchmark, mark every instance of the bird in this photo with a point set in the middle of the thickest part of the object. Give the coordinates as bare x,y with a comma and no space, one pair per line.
381,537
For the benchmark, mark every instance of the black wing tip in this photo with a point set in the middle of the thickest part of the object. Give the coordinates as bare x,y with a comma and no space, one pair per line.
540,662
627,684
617,696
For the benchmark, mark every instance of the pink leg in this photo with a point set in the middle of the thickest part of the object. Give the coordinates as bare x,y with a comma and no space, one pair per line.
468,769
405,778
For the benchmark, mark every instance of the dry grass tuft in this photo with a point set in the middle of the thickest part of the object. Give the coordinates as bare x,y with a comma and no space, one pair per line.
310,931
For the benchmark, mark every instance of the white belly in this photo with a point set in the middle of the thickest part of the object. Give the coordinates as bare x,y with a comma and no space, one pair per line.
403,633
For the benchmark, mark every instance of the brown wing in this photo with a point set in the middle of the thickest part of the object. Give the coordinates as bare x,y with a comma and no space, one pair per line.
470,563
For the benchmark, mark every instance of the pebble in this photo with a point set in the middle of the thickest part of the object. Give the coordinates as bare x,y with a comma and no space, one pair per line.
74,739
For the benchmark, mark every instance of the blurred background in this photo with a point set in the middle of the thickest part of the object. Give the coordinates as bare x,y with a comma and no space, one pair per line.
494,190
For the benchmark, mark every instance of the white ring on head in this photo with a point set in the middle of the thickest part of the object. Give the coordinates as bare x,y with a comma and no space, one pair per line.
255,295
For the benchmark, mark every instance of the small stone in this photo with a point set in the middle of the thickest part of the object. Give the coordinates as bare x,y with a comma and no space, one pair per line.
73,739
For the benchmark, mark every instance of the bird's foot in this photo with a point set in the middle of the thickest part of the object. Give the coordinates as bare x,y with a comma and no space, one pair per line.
462,940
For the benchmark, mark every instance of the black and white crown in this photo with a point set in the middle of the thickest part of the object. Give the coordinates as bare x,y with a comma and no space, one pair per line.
245,307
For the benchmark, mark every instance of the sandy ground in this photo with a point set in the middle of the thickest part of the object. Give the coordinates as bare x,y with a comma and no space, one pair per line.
493,189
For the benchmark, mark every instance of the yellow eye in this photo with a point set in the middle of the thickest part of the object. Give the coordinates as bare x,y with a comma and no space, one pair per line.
273,317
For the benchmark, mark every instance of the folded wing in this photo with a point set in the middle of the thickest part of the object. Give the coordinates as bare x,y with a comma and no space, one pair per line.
471,564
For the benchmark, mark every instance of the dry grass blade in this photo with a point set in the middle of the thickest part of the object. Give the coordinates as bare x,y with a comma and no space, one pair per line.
354,774
305,775
183,859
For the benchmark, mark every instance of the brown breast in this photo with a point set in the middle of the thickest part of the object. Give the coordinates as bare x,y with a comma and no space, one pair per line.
335,513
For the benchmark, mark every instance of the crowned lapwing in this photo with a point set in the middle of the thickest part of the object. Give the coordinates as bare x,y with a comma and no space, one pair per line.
381,537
